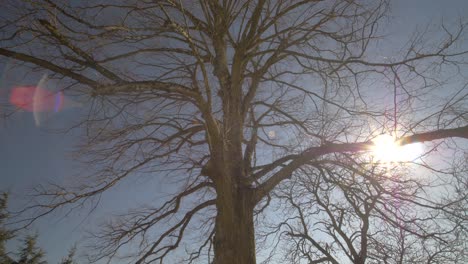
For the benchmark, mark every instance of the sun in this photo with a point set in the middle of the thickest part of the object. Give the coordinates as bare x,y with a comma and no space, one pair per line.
386,150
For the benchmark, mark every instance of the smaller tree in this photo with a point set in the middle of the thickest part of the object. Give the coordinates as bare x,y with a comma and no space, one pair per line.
69,259
5,234
30,253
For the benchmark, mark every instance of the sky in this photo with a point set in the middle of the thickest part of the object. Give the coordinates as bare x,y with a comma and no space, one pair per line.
30,155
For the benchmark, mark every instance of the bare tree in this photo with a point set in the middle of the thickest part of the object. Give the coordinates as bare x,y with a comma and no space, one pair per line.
230,99
347,213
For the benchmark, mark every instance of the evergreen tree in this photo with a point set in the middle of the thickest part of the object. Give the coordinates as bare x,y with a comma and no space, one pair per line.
70,257
30,253
5,234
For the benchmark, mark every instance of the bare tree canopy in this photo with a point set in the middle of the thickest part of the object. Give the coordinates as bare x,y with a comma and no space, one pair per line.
263,113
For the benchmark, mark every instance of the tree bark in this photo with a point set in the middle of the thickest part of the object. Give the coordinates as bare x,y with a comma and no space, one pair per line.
234,241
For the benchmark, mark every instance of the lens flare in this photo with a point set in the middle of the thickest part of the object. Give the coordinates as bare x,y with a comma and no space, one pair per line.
41,101
36,99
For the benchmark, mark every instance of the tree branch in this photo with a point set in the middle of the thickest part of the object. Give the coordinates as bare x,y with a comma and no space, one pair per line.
315,152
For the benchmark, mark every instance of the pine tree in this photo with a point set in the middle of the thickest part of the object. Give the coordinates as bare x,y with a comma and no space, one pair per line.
70,257
5,234
30,253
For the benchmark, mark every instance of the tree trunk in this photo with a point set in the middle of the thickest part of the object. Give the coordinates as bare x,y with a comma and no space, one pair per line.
234,241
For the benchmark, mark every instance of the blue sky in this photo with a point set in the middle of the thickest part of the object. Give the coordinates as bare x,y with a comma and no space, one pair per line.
30,155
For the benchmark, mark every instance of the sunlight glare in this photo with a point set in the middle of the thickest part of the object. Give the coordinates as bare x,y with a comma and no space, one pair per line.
387,150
